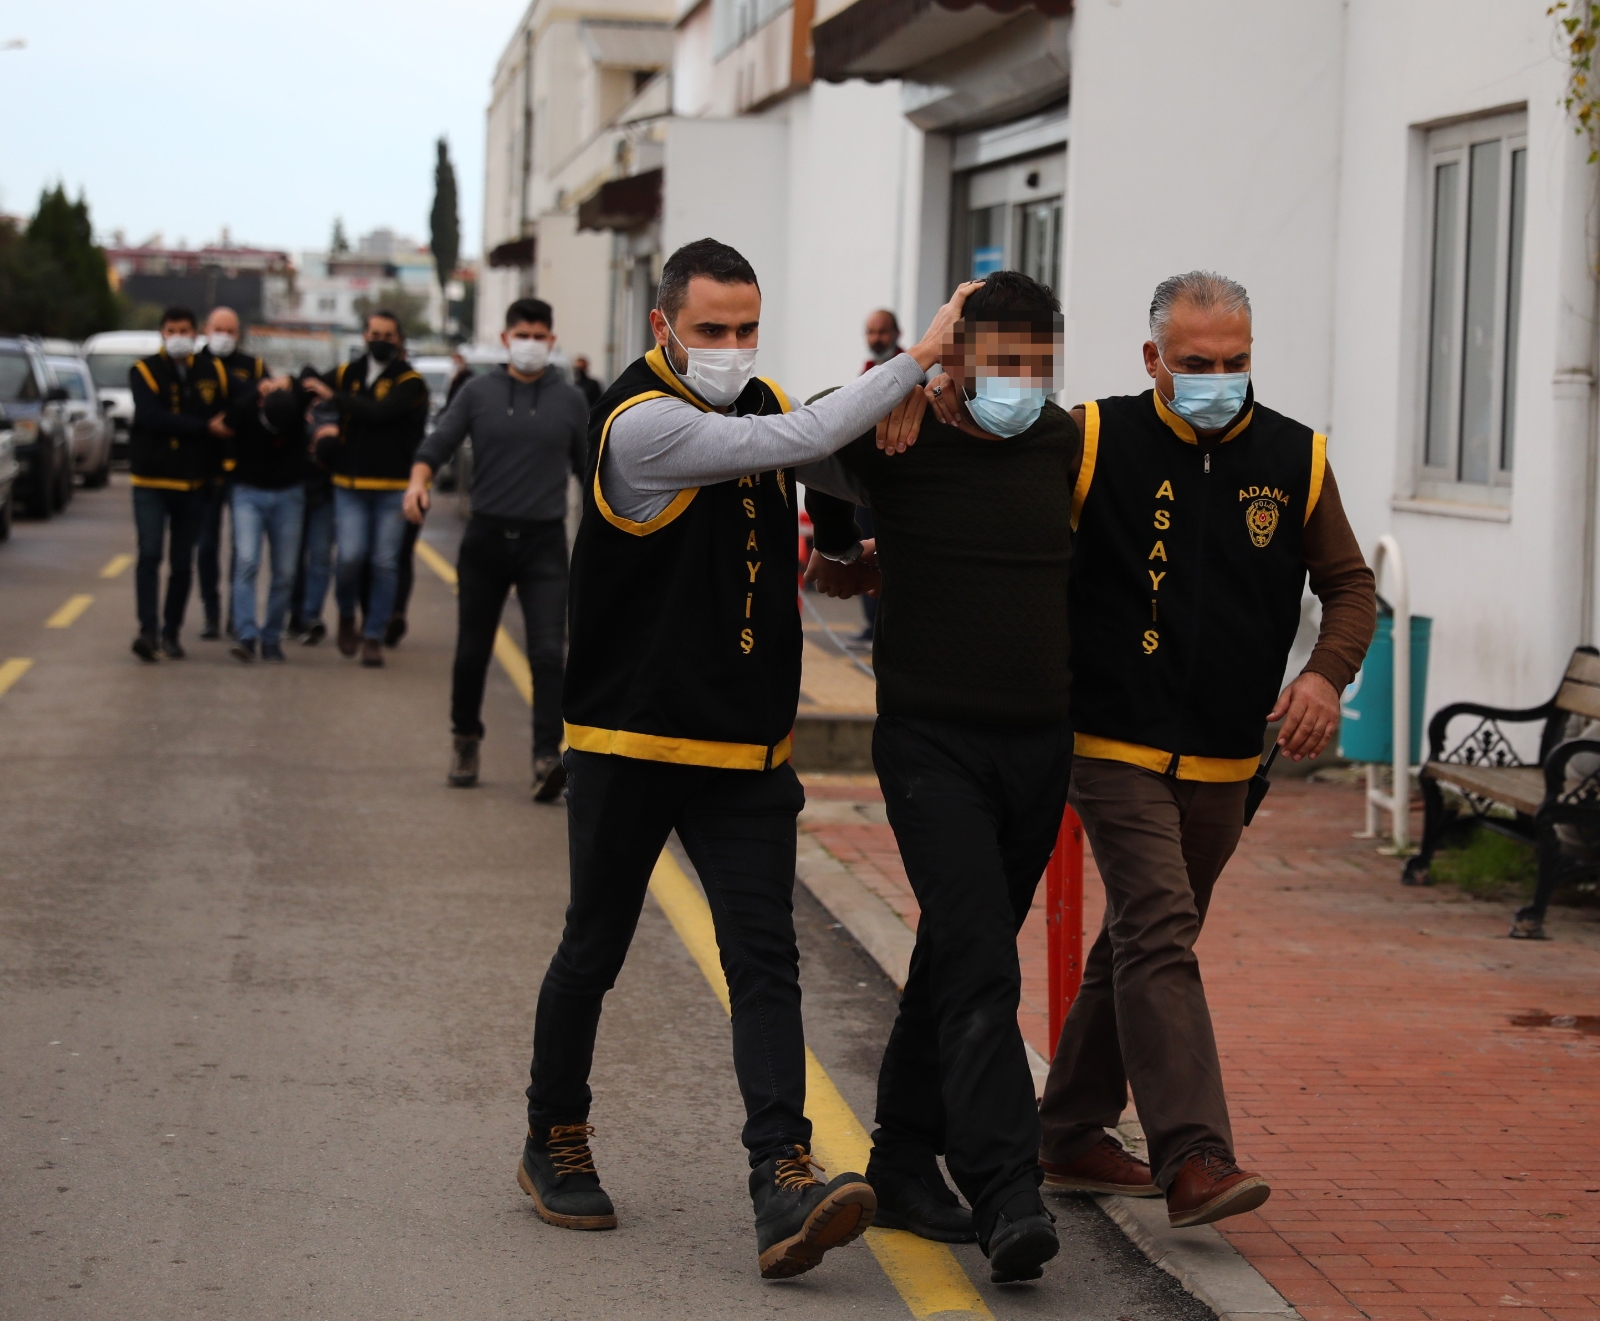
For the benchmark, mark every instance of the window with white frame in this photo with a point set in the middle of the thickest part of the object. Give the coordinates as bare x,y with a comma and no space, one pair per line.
1477,200
734,20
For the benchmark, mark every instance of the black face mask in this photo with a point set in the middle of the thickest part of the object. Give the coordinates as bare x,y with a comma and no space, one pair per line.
381,350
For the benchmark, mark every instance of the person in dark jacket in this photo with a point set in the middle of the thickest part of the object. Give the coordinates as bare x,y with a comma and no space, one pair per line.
585,382
178,427
383,410
267,467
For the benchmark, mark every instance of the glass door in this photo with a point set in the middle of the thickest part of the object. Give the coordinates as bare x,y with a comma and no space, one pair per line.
1009,217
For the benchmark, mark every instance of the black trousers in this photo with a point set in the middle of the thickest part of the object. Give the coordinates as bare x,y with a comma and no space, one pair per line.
208,552
494,557
975,810
738,829
170,518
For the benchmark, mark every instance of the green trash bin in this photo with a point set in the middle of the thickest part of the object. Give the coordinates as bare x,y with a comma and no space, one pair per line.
1366,726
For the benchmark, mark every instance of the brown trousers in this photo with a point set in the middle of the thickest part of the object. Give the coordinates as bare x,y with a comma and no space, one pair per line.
1141,1016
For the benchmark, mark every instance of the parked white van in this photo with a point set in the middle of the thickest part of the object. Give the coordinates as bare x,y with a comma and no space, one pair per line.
111,356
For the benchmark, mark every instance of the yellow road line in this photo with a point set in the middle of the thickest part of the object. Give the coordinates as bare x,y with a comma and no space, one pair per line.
68,614
11,671
510,656
115,565
437,562
926,1275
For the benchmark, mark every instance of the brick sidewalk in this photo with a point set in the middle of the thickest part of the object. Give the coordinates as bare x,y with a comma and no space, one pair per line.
1429,1158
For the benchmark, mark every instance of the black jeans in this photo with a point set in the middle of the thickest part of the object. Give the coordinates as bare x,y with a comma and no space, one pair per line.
208,550
975,810
495,557
738,829
155,512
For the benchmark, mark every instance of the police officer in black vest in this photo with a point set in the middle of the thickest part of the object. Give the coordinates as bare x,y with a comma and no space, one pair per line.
681,687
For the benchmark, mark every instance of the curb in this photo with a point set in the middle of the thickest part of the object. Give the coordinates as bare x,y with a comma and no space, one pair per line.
1201,1260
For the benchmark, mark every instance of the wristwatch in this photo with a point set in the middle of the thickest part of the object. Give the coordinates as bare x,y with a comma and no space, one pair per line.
842,557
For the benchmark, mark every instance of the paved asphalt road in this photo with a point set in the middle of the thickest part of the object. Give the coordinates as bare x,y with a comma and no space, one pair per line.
266,987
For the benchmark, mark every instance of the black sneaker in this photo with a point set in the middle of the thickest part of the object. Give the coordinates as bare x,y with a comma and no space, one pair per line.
549,778
798,1218
1022,1240
559,1174
921,1203
212,631
394,630
316,630
244,651
294,630
273,653
171,648
464,760
147,647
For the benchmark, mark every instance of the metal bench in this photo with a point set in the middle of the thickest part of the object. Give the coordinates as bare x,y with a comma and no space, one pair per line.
1485,770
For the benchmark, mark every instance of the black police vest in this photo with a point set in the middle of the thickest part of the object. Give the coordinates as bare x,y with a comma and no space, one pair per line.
1187,576
685,629
170,460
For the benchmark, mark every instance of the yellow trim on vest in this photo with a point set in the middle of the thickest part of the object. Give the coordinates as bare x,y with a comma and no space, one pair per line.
1091,451
228,465
1319,466
149,379
783,399
1209,770
408,376
222,373
370,483
682,751
165,483
656,360
1184,431
261,368
680,502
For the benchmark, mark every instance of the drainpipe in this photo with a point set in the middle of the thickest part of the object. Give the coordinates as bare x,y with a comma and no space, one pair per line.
1591,458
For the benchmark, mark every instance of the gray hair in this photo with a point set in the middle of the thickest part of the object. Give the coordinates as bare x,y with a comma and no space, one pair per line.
1204,290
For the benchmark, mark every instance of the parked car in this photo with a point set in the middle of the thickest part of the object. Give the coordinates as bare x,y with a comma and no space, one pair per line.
34,404
89,429
110,357
8,475
437,372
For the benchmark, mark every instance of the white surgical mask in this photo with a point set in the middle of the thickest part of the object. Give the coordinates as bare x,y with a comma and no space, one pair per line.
530,356
1007,405
222,344
1208,400
178,346
717,375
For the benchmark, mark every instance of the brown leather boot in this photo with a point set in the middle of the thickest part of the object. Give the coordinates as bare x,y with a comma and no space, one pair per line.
372,653
1211,1186
1107,1167
349,636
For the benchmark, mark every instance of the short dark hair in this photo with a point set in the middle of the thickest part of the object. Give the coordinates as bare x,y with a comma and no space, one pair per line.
716,261
176,313
387,315
531,310
1013,299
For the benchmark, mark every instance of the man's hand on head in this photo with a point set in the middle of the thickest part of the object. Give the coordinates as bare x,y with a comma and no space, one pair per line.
1309,709
320,388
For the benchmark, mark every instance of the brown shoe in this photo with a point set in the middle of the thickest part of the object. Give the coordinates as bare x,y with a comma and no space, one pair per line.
349,636
372,653
1211,1186
1107,1167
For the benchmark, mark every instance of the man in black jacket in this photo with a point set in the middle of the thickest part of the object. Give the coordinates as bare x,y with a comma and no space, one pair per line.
383,408
178,427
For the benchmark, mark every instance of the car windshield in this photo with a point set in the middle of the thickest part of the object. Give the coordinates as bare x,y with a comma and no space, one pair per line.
16,379
438,381
70,378
110,370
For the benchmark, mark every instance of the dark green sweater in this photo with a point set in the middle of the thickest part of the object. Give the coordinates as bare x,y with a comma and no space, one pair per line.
974,542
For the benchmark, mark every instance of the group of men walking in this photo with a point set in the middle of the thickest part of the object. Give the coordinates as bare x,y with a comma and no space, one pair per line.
1093,605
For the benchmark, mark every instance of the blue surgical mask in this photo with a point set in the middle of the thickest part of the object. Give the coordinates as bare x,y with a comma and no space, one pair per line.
1007,405
1208,400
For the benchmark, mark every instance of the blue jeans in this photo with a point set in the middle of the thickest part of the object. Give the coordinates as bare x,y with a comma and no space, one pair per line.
370,527
153,510
318,560
278,514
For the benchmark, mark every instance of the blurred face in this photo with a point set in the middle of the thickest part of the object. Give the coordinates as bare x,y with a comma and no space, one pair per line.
581,364
382,328
985,349
1199,341
713,316
223,321
881,334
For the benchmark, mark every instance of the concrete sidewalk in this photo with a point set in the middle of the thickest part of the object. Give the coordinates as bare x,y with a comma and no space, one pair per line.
1391,1061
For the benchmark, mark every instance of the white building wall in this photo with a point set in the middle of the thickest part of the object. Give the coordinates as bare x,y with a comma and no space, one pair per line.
1504,596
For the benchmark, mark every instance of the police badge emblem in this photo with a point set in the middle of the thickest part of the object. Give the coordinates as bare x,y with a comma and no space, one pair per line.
208,392
1261,518
380,391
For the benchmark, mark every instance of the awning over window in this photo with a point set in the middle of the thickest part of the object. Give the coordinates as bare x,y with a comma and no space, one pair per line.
878,39
518,252
628,45
630,203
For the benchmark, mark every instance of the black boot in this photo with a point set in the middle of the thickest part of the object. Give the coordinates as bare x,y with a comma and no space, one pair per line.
557,1171
464,760
921,1203
798,1218
147,647
1021,1240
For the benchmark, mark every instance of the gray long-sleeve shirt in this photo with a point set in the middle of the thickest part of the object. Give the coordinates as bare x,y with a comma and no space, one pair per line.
657,448
526,437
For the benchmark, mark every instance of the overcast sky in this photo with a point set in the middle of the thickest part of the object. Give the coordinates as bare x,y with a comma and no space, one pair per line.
268,118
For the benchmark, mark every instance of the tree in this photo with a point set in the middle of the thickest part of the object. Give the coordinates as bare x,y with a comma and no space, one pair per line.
339,243
444,224
411,308
53,279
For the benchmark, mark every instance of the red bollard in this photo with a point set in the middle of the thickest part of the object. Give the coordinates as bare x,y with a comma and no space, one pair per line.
1063,920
